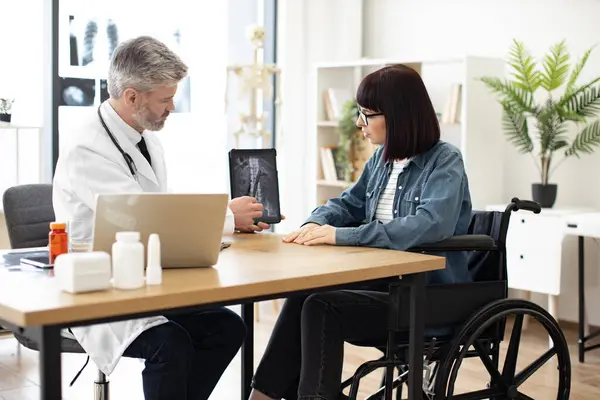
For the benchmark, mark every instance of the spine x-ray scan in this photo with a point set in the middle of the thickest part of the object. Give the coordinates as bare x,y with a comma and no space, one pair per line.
254,173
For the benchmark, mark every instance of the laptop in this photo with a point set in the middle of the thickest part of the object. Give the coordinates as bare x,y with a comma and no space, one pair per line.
190,226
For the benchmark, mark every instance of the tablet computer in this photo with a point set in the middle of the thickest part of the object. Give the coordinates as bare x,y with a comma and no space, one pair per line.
41,261
253,172
14,258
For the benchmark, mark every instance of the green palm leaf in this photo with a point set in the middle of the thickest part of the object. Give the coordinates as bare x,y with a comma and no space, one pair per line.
568,115
576,71
586,104
527,78
567,97
552,132
556,67
585,140
519,99
551,128
515,127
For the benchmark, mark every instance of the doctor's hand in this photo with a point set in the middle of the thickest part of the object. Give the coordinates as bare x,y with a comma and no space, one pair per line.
253,228
245,209
256,227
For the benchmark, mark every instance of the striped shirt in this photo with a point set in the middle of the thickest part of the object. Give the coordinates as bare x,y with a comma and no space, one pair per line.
385,205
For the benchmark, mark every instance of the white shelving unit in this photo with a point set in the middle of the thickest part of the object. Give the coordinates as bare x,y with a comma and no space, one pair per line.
478,132
20,155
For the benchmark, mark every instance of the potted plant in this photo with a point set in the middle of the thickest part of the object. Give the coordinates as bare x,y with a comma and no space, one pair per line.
5,109
347,129
548,121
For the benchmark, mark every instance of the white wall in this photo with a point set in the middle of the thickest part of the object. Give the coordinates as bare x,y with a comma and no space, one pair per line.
440,28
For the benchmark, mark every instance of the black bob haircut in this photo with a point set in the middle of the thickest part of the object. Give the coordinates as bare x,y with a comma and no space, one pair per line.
397,91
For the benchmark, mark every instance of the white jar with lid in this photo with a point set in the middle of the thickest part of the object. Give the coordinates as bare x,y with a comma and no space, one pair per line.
128,261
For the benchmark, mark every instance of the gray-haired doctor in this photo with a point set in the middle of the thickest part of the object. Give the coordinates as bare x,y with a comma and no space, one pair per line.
116,151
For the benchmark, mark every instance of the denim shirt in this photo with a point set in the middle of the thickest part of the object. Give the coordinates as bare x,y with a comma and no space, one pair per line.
432,202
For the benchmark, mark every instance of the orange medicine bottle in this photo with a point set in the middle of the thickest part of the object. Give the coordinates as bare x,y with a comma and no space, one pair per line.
58,241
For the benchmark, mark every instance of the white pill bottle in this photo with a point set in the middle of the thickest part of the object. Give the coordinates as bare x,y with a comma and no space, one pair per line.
128,261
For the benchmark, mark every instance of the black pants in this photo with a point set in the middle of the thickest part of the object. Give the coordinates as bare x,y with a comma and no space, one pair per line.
305,353
185,358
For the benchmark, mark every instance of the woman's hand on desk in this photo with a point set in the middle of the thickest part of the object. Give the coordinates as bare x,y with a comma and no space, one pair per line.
300,233
311,234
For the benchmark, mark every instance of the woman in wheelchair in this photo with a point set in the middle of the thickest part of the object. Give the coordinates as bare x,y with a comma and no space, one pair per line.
413,190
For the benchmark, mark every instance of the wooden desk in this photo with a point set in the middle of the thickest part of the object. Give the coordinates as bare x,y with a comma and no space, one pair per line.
256,267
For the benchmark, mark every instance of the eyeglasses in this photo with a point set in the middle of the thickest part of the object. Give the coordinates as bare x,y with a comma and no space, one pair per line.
365,117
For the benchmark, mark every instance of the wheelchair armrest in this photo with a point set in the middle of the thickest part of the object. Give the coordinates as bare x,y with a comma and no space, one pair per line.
528,205
460,243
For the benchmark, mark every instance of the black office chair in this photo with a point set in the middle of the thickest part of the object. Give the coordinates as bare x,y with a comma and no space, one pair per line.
474,318
28,212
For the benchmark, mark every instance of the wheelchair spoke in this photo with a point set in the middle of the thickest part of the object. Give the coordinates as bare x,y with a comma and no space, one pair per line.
534,366
478,395
489,365
510,363
522,396
399,381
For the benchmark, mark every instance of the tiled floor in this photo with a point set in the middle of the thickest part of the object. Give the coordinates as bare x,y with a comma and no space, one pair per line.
19,377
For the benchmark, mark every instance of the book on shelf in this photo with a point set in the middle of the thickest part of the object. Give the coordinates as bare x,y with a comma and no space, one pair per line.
335,99
332,170
328,164
452,107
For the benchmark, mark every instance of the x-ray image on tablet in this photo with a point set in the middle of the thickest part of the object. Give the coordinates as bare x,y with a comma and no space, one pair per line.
254,173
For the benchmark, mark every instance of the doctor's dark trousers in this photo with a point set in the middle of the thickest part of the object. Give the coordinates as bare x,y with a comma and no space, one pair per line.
185,358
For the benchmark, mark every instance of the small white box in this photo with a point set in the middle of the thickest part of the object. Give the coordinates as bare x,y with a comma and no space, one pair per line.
83,272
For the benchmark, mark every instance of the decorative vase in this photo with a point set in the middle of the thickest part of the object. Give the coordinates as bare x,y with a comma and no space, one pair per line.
545,195
5,117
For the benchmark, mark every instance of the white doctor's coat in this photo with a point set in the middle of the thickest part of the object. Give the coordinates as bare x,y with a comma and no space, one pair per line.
91,164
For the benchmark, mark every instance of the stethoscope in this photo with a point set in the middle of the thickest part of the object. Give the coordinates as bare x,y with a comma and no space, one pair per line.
125,155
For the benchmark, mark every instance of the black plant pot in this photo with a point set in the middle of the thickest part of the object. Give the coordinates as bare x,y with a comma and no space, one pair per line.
5,117
545,195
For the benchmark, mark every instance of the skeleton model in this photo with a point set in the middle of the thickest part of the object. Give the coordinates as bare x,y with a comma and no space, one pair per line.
255,82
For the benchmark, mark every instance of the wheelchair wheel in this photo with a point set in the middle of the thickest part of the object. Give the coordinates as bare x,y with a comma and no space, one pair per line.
505,384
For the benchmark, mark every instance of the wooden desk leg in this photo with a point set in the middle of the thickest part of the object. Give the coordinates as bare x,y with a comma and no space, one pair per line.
416,336
248,350
50,363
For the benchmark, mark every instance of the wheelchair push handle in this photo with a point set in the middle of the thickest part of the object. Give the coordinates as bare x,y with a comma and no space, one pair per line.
527,205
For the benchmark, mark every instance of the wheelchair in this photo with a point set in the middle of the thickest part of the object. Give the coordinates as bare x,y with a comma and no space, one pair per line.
471,319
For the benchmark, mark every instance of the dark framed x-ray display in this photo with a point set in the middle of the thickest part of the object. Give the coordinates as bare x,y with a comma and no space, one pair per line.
253,172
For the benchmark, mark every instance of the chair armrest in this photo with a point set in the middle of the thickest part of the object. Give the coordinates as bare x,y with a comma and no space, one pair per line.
460,243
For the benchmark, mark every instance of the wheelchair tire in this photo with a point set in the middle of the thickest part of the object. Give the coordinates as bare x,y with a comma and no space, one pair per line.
504,384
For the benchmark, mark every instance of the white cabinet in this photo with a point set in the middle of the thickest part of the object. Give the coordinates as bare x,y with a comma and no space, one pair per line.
534,251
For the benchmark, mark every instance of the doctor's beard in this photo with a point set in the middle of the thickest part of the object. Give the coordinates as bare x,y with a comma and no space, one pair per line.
147,119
